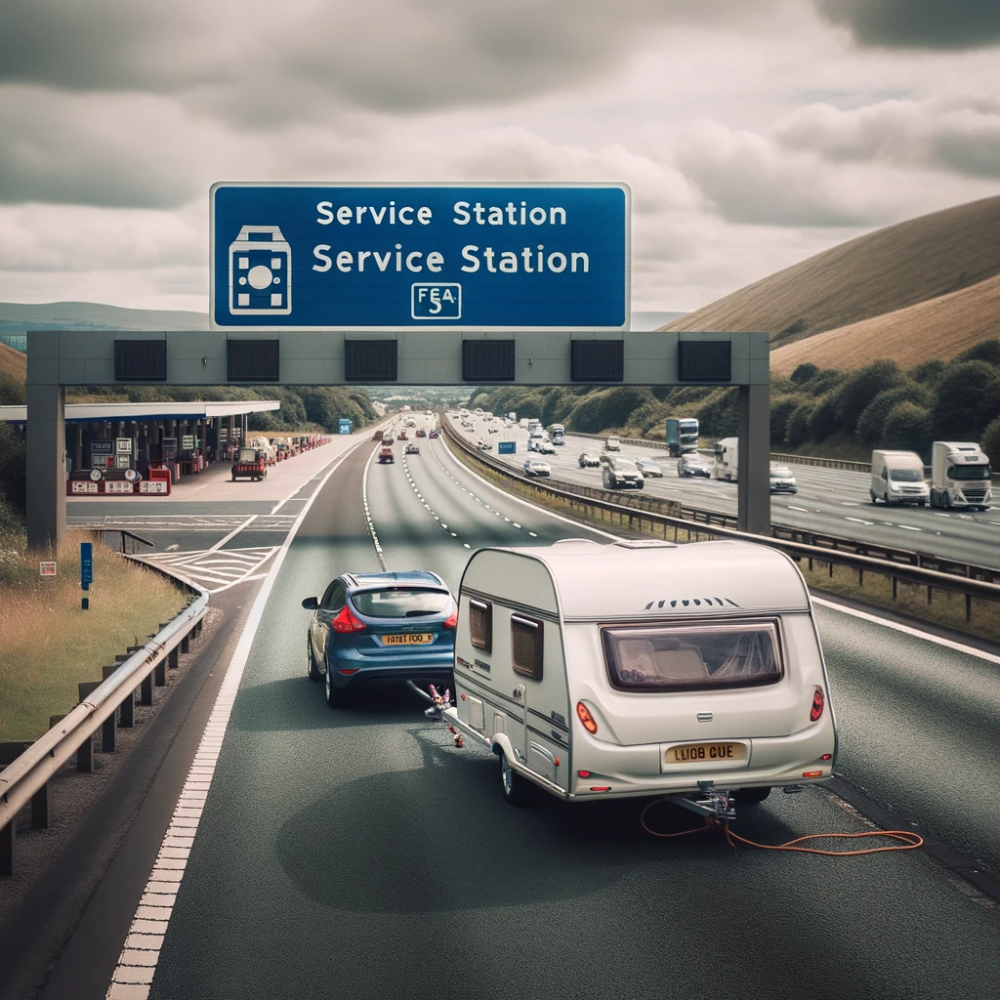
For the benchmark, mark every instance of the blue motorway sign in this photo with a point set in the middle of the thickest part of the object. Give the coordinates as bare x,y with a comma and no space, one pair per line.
300,256
86,564
507,448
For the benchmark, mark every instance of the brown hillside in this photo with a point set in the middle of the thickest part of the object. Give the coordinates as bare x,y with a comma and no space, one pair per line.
13,363
885,271
941,328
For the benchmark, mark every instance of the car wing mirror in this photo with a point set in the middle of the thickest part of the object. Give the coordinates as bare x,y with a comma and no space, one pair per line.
311,603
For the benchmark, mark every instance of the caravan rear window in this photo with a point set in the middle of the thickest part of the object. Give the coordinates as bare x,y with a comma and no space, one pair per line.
693,657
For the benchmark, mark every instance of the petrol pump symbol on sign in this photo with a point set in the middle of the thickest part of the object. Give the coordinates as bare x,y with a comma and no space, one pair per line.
260,273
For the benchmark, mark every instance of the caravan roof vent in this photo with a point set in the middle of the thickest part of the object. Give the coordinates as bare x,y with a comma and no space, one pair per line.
693,602
645,543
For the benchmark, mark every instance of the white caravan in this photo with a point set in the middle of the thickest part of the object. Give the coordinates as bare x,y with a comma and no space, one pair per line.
726,463
960,475
898,477
643,668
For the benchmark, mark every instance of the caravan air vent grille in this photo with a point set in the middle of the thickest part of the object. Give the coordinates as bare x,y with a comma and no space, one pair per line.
696,602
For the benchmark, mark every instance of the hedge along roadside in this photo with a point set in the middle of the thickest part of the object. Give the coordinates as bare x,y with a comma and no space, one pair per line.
32,770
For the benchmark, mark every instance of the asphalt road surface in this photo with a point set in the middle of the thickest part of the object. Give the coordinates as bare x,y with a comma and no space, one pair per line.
829,501
358,853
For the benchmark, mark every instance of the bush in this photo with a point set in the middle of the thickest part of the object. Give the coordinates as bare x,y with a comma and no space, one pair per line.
805,372
824,419
797,429
986,350
781,410
990,441
870,423
907,426
968,398
717,415
862,387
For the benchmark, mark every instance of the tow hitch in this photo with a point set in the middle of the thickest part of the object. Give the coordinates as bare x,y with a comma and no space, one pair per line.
712,803
439,703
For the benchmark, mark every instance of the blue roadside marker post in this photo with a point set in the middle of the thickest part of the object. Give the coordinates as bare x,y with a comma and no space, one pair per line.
86,571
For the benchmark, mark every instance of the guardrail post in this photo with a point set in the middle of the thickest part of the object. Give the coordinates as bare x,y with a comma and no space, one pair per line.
85,755
160,673
126,713
146,690
172,658
186,643
8,837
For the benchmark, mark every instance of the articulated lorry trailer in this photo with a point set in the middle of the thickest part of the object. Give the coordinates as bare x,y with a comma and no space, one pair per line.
682,435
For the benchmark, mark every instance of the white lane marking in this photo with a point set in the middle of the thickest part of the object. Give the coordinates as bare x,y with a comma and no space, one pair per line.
908,527
141,951
848,503
859,520
804,510
909,630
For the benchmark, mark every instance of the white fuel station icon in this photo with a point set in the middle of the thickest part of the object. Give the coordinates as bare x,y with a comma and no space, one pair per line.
260,273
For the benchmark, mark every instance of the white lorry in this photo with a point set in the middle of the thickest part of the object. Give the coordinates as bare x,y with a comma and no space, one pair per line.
642,668
898,477
960,475
726,460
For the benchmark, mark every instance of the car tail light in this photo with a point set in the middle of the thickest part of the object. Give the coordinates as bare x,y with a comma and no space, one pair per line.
586,718
817,706
452,620
347,622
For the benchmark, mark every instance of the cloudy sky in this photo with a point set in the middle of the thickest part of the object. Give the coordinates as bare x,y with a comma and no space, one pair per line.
753,133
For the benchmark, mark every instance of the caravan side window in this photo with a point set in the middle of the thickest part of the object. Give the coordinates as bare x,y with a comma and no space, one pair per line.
526,646
481,624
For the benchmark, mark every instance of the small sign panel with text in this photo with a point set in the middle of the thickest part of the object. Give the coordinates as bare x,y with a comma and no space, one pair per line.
390,256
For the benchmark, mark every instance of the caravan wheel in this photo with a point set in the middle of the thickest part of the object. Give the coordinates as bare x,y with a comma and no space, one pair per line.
750,796
515,788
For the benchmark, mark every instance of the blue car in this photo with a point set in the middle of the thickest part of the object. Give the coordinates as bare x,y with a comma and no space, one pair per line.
376,629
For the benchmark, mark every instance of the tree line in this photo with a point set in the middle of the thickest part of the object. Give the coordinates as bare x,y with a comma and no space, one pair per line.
820,410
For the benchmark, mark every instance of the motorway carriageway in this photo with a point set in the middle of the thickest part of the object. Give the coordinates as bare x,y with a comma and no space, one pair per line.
359,853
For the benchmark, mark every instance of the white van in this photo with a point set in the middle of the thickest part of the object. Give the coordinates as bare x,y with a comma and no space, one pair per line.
898,477
642,668
726,459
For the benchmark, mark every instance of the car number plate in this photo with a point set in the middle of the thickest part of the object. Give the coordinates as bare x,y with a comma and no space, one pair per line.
698,753
408,639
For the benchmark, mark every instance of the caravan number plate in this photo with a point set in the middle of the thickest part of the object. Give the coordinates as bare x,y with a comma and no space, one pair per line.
697,753
409,639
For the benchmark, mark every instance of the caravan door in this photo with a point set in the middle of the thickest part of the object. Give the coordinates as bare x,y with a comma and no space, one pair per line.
538,746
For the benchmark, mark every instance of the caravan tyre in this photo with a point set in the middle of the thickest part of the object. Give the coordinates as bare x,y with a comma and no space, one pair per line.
515,788
750,796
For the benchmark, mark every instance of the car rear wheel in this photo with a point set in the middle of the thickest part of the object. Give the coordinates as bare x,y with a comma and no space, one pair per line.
516,790
312,669
335,697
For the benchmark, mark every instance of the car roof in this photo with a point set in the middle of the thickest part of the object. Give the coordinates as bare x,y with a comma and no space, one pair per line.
410,578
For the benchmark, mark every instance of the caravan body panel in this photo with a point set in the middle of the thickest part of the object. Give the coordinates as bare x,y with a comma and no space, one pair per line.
658,666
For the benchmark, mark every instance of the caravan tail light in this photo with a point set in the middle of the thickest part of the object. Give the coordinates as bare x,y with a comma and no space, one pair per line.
817,706
347,622
586,718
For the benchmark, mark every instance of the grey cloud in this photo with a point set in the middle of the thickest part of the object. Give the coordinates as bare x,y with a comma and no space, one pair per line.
917,24
67,156
398,56
750,181
962,137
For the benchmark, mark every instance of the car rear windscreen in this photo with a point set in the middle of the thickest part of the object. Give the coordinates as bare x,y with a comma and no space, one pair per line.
692,657
401,602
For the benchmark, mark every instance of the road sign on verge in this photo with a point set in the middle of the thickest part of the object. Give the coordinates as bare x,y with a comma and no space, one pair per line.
507,448
388,256
46,569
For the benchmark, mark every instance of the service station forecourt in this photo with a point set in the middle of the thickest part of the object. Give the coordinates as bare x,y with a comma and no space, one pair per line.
385,257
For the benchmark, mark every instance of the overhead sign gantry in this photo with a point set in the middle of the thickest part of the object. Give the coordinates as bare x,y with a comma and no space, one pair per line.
411,285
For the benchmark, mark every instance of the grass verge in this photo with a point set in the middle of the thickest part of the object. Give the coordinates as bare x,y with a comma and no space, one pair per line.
48,644
945,608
